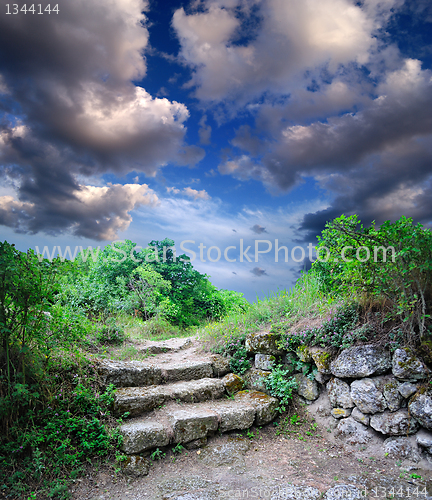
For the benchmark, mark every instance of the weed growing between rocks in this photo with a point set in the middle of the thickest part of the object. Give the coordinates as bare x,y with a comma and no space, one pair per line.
236,349
281,386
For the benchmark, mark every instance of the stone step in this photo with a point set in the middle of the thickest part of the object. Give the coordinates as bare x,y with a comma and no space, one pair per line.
164,346
144,373
138,400
182,423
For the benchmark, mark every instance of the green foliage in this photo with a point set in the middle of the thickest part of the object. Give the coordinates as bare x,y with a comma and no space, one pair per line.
280,385
178,448
51,427
339,329
148,283
110,333
399,268
157,455
236,349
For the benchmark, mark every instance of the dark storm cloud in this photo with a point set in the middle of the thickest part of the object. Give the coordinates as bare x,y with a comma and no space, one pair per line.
257,271
258,229
67,79
376,162
398,183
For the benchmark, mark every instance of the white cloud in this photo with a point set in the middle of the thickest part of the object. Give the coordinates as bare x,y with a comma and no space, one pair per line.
292,37
190,193
91,211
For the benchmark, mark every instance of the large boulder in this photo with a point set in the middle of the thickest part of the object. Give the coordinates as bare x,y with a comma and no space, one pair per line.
306,387
367,397
339,394
361,361
389,387
401,448
354,432
263,343
398,423
408,367
420,407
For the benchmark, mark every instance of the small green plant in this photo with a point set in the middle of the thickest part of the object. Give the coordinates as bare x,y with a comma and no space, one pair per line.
280,385
250,434
415,476
178,448
295,419
157,455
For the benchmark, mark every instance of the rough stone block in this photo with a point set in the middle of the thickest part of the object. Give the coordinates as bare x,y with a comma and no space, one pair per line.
322,359
401,448
360,417
220,364
192,423
234,415
408,367
398,423
361,361
306,387
263,343
129,373
265,406
341,412
420,407
367,397
339,393
188,370
255,379
264,361
136,466
354,432
233,383
143,435
407,389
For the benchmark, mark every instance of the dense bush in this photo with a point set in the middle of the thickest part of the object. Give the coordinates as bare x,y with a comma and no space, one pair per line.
399,267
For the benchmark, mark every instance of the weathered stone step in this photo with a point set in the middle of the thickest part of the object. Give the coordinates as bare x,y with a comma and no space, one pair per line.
178,423
143,373
138,400
164,346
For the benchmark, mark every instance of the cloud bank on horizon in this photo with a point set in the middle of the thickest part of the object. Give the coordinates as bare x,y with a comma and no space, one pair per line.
262,97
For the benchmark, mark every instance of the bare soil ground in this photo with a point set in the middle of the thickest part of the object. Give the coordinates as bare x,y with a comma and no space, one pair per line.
302,449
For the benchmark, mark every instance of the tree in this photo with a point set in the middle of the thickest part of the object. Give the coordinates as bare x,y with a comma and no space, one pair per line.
393,261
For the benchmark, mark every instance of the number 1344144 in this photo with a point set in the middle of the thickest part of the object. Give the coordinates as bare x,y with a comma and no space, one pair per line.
14,8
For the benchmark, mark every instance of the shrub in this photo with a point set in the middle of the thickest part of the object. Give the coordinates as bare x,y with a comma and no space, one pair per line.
403,277
110,333
281,386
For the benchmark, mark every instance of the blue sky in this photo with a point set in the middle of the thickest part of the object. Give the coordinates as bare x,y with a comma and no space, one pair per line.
218,122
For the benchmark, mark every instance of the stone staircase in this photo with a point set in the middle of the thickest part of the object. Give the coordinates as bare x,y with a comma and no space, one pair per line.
179,397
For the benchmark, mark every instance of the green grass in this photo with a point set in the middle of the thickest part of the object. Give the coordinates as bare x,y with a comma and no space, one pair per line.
305,302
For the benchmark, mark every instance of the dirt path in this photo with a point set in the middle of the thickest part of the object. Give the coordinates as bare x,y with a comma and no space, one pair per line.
264,463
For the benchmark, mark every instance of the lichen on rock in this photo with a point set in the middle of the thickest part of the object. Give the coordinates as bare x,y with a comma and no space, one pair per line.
361,361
